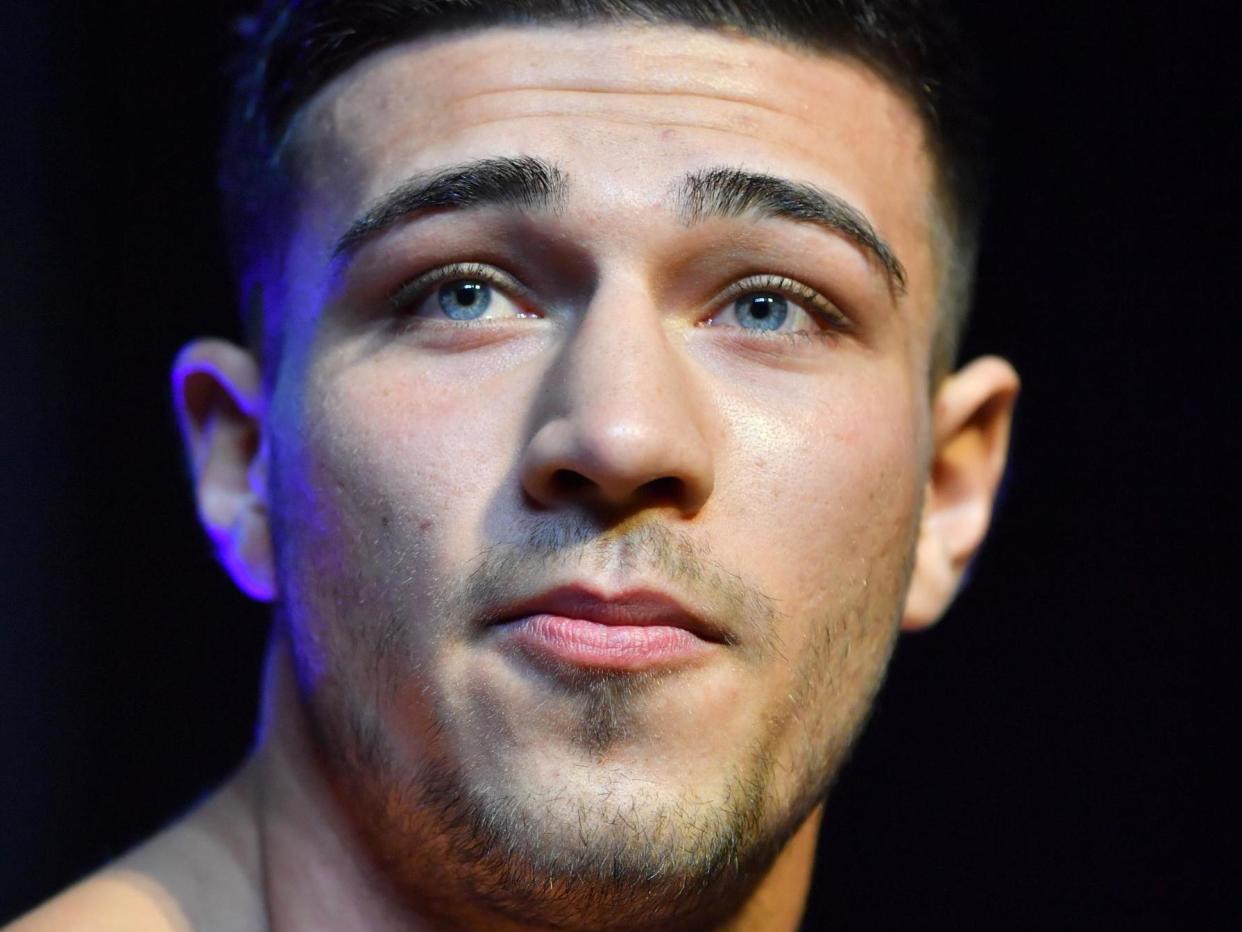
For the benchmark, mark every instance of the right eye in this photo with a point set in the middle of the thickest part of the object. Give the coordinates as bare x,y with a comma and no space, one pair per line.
460,293
464,299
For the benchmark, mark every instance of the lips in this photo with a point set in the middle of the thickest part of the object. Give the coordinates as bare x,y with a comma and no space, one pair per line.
630,631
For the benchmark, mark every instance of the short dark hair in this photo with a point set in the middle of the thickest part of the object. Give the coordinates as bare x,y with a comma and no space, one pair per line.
294,48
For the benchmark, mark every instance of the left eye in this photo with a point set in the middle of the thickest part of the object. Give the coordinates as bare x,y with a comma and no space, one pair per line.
761,311
768,312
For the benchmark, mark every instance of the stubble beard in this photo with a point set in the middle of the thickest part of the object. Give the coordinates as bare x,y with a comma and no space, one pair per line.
468,852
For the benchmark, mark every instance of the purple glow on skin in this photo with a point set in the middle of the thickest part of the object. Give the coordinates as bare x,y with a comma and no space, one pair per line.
228,465
257,588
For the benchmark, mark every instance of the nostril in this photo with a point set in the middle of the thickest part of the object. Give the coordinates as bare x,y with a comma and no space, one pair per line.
570,483
662,490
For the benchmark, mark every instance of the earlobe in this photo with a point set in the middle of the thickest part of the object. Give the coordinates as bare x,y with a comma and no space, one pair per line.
217,391
971,421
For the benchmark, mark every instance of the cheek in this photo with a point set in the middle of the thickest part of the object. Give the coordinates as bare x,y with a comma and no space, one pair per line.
831,485
828,503
381,484
398,449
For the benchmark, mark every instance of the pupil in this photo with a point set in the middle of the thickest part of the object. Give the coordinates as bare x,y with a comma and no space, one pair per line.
762,311
465,300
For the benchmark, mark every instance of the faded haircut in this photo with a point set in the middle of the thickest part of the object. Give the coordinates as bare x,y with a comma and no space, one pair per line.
291,49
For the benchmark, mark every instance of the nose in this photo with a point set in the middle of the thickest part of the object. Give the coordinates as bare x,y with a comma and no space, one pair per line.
621,425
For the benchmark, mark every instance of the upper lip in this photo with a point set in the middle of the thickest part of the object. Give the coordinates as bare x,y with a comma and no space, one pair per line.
634,606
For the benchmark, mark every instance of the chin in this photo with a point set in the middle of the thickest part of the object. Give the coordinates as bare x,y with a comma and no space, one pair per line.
597,826
485,768
608,849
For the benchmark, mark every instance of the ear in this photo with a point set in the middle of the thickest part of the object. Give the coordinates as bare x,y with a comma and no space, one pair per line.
971,419
217,390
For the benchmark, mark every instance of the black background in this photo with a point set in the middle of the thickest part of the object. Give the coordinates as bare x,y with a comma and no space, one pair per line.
1055,750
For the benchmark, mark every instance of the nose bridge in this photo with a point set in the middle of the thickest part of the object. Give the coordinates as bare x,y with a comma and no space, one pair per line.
624,418
620,367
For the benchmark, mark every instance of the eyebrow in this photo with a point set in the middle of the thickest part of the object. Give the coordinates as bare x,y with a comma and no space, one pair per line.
523,182
532,184
734,192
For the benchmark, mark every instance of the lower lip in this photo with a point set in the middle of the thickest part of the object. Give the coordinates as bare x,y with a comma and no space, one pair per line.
621,648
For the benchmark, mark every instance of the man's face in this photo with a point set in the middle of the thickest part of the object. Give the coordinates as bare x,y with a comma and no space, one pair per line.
594,517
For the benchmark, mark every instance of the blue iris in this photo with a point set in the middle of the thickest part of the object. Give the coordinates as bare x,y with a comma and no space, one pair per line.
465,299
761,311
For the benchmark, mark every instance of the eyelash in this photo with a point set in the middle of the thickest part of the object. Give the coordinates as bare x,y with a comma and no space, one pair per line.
835,321
410,293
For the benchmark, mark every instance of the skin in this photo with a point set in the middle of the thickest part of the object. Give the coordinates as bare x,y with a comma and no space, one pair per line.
821,481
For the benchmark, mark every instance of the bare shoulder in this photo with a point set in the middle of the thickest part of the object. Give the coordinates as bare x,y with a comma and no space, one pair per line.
199,874
114,899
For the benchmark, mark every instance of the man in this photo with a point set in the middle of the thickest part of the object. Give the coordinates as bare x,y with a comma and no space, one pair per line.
595,437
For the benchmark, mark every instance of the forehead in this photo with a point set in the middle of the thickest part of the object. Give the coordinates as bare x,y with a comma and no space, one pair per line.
625,111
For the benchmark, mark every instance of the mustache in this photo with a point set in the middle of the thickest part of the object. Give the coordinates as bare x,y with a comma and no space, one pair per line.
654,553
